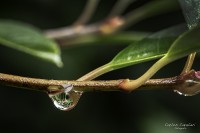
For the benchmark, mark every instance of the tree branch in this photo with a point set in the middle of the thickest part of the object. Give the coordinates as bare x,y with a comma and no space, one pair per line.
115,23
108,85
73,31
187,84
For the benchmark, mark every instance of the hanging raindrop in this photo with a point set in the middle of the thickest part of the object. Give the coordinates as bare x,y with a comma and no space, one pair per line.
191,86
65,99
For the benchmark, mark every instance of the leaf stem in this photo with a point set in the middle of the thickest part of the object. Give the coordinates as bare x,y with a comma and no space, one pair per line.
134,84
189,63
97,72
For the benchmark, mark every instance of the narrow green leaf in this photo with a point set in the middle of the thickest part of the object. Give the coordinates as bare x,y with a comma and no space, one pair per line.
28,39
151,47
187,43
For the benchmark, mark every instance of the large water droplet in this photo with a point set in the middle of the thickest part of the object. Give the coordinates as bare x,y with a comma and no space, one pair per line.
67,98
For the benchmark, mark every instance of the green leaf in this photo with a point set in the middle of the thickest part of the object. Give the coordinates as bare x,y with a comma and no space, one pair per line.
187,43
152,47
191,11
28,39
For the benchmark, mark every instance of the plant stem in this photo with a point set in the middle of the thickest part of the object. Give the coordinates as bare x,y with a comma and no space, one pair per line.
119,7
114,23
150,9
87,12
189,63
134,84
108,85
123,38
72,31
97,72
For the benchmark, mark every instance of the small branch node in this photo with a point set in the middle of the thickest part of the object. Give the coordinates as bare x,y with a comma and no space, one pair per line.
111,25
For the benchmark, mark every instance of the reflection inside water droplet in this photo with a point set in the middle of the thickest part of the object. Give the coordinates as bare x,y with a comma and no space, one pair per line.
65,99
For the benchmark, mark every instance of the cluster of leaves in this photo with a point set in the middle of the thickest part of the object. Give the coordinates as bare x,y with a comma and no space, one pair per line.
172,43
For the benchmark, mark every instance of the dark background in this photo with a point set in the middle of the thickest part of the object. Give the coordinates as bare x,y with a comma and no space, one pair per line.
97,112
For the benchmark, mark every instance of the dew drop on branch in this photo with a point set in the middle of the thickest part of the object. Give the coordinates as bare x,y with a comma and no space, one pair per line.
67,98
190,85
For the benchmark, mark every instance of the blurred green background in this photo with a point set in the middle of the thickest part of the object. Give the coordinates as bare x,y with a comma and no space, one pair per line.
97,112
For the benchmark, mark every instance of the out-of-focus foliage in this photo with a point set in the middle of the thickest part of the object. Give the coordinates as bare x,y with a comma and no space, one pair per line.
30,40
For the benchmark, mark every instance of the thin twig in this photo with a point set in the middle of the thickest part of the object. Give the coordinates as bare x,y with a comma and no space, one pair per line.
109,85
119,7
87,12
70,32
114,23
148,10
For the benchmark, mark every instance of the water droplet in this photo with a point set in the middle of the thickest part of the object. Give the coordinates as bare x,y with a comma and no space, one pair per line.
67,98
188,88
129,58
